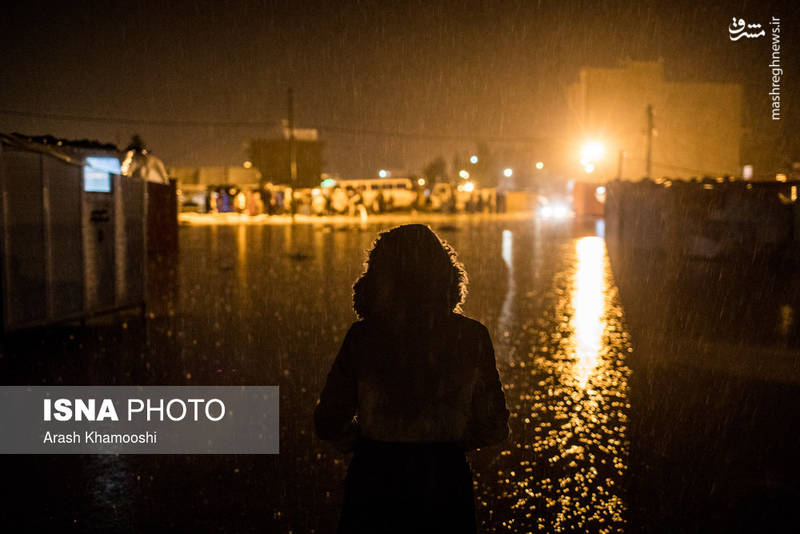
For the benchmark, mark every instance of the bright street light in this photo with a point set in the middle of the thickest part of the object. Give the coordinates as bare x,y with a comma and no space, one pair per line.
539,165
591,152
589,168
508,172
464,174
421,182
383,173
473,159
469,187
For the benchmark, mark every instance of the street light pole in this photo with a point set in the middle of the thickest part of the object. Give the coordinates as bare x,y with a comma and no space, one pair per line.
292,152
649,140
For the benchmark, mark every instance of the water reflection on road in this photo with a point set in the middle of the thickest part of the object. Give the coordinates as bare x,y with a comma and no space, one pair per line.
567,389
588,304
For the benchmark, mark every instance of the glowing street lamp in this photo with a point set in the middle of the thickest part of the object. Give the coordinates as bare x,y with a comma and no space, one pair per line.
464,174
539,165
383,173
469,187
592,152
421,182
473,159
588,168
508,172
247,164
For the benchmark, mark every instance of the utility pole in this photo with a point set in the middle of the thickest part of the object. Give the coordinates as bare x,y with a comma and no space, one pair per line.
292,152
649,141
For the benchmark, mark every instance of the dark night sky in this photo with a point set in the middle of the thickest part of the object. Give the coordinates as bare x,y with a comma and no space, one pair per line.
445,70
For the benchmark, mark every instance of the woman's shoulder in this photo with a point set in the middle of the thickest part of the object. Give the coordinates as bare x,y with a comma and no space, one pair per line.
468,324
366,328
358,328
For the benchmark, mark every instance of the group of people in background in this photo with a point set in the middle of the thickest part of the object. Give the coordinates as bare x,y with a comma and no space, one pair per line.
276,200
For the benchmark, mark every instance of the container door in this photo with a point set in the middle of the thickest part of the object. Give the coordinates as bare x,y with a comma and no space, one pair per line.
98,242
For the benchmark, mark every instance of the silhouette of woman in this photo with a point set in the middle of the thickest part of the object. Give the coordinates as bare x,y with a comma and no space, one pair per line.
413,387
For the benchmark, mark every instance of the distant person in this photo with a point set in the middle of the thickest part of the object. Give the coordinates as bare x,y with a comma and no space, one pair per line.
413,387
266,194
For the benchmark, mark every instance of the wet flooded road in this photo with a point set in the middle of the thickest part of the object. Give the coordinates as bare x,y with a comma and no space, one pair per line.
566,377
266,305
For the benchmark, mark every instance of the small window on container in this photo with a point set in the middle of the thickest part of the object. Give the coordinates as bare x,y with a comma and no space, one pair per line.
97,174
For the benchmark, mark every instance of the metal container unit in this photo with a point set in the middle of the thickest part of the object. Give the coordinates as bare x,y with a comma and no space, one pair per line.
73,238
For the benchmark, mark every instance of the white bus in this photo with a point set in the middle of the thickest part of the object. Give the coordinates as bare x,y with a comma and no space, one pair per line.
396,192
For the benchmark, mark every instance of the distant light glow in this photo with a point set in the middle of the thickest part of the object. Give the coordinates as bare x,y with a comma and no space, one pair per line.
328,182
560,211
508,172
589,168
554,211
247,164
469,187
600,194
421,182
539,165
473,159
464,174
780,177
592,151
241,201
383,173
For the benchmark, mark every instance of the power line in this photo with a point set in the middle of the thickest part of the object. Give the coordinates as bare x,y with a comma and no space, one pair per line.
435,137
123,120
268,124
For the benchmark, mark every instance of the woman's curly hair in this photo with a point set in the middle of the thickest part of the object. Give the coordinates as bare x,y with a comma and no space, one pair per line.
410,269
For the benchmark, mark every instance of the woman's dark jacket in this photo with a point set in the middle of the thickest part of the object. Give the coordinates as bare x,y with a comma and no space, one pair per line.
433,381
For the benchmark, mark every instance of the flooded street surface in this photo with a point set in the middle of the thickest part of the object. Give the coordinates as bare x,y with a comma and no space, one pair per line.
605,438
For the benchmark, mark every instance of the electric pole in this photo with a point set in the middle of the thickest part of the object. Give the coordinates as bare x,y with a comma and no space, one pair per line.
649,140
292,152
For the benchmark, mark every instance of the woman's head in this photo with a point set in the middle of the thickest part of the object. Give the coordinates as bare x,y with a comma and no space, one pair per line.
409,269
